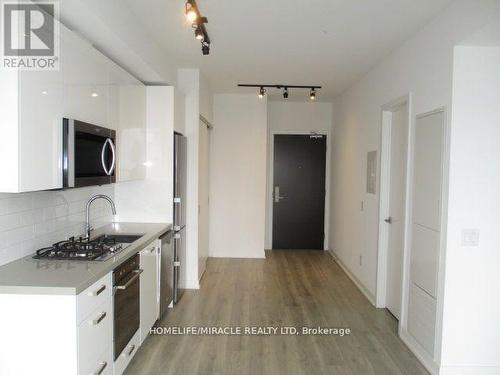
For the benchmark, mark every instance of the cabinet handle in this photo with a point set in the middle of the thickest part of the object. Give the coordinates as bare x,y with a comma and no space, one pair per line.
127,284
98,291
132,348
99,319
101,368
113,162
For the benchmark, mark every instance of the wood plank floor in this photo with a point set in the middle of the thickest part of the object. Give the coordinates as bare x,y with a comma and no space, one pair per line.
288,288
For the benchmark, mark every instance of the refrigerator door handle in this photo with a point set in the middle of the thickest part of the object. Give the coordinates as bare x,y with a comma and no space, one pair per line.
178,212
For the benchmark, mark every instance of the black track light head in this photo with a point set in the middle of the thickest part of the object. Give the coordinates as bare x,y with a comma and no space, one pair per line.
262,92
198,33
285,93
205,48
313,94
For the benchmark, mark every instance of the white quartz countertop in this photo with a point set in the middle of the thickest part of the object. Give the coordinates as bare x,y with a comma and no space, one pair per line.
63,277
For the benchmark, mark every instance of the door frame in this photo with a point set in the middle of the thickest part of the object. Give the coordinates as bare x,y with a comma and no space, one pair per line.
384,203
270,180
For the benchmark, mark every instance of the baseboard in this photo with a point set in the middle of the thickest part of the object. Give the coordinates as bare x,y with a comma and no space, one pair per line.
419,352
238,257
369,296
192,284
469,370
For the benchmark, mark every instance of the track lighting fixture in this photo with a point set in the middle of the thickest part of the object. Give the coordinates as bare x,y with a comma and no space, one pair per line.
198,22
285,88
285,93
312,96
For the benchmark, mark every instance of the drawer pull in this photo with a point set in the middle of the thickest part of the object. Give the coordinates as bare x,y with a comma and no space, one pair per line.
128,283
101,368
132,348
98,291
99,319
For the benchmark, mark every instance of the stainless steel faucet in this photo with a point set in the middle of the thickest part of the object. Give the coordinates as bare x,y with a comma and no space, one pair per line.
88,228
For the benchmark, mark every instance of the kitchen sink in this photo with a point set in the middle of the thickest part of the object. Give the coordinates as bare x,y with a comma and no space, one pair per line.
120,238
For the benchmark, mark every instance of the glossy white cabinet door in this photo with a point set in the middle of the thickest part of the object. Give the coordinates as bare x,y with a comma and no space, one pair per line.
131,134
149,289
40,135
9,145
85,82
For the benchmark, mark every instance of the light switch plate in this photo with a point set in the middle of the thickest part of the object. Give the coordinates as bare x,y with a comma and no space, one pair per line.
470,237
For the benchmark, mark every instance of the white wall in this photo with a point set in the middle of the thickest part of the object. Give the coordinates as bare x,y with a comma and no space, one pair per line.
423,66
206,110
238,176
285,116
30,221
471,330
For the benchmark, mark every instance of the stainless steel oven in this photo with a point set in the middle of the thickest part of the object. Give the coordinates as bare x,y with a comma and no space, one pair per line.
89,154
126,303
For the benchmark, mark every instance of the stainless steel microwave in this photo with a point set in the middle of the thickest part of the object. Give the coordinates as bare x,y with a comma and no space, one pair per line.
89,154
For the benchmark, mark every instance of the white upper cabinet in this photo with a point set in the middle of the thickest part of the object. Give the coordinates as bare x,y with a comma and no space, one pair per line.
40,110
127,115
85,81
88,87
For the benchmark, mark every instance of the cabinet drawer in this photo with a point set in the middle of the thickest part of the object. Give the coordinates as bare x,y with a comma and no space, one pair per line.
103,365
93,296
95,335
128,353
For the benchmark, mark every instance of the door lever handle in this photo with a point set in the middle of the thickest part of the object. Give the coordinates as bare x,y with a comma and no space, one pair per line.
277,196
388,220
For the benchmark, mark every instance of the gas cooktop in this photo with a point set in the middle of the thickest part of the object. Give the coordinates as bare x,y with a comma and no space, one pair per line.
98,249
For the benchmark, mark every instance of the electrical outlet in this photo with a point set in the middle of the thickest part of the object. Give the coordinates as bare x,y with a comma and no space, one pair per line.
470,237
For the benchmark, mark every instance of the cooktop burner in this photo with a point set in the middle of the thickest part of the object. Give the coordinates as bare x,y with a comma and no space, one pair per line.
100,248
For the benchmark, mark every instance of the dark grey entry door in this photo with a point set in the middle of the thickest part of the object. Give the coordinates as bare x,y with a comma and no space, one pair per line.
299,191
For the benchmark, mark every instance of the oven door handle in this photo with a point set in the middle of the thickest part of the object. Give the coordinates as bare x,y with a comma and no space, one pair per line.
109,171
127,284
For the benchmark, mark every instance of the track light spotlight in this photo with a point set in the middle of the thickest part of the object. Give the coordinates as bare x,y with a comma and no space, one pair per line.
198,33
285,93
313,94
205,48
262,92
191,13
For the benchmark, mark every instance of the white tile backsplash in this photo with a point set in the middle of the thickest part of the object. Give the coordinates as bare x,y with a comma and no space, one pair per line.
30,221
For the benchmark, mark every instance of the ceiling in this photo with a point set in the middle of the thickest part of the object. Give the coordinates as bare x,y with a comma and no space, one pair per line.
301,42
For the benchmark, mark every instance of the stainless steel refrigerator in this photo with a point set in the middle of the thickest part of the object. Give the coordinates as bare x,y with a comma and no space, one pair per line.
180,182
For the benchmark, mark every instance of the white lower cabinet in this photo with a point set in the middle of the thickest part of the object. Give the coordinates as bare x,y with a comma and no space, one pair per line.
127,354
103,365
95,327
149,289
73,334
94,338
